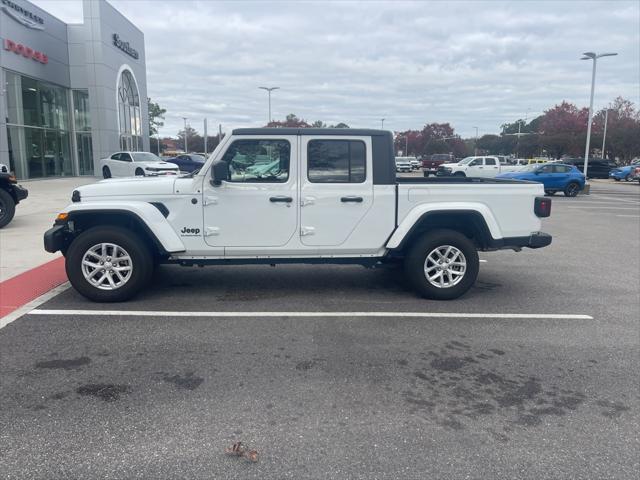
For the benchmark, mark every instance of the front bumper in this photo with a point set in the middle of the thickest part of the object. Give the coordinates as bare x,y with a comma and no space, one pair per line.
55,238
535,240
20,192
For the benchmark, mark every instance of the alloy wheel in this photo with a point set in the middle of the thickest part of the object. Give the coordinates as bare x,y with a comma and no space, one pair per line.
445,266
107,266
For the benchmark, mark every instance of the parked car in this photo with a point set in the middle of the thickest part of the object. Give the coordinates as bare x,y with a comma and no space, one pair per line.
636,174
625,172
138,164
188,162
431,163
597,167
555,177
415,163
403,164
335,198
10,195
475,167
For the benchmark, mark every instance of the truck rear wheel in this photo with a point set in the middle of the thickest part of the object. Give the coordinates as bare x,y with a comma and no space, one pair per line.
108,264
7,208
442,265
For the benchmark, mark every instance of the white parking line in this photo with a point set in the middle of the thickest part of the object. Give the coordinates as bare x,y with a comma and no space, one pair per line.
609,208
161,313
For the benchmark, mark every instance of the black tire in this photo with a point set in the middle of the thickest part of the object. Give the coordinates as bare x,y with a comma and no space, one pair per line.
616,179
414,264
141,261
106,173
7,208
627,178
572,189
459,174
139,172
550,192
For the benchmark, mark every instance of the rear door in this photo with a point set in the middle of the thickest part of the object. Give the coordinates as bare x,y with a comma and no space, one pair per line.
560,176
491,167
336,187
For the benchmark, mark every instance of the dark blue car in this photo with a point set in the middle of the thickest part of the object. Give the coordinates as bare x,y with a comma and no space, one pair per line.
556,177
188,162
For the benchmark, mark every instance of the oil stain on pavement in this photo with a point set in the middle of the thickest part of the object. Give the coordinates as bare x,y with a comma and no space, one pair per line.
457,386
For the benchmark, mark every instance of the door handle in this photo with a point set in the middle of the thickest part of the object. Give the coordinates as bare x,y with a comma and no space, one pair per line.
281,199
351,199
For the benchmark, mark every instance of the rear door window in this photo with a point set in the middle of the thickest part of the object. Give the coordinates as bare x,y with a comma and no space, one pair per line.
337,161
489,161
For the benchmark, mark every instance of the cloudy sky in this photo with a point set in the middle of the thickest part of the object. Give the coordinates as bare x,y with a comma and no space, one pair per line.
477,63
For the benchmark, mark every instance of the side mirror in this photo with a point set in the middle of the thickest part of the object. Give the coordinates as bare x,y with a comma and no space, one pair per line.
537,172
219,172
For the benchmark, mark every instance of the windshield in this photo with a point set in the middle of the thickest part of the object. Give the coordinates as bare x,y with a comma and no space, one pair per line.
145,157
464,161
531,167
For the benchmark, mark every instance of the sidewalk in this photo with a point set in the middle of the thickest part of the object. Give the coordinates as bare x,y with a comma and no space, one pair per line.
21,246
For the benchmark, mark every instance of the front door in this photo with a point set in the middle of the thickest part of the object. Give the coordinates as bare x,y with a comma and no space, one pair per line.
257,206
336,188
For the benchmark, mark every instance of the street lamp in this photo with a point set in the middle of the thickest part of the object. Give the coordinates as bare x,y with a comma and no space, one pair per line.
269,90
604,134
382,123
475,145
591,56
186,150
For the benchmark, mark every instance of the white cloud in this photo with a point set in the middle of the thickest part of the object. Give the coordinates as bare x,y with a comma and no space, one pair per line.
468,63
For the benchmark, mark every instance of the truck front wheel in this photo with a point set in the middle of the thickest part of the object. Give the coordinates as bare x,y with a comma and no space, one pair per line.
442,265
108,264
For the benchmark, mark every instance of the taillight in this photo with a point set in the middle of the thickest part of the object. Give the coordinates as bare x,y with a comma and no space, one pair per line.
542,207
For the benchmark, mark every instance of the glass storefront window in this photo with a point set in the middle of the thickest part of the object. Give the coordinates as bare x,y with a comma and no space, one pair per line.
37,127
129,113
82,123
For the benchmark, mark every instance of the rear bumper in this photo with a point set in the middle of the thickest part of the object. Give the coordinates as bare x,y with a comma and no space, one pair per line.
535,240
55,238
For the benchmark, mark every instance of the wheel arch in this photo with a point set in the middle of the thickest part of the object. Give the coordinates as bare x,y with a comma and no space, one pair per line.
149,223
470,222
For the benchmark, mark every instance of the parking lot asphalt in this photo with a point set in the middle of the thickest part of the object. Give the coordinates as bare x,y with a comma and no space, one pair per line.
112,395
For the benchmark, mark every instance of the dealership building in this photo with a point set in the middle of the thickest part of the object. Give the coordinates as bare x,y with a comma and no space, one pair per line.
71,93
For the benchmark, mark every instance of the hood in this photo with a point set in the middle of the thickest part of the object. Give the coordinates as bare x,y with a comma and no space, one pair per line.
118,187
511,175
158,164
451,165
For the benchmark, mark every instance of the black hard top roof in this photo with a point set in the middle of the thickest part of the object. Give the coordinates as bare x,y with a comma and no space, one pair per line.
363,132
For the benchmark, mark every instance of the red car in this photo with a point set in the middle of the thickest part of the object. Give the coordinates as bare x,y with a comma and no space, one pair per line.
431,163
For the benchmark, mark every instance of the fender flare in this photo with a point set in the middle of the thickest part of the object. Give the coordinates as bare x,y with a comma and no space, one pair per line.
147,215
420,212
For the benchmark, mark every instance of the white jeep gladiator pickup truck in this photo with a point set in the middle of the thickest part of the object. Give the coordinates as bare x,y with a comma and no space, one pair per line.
288,195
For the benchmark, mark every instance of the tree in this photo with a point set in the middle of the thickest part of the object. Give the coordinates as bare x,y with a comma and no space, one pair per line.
156,117
340,125
623,130
291,121
319,124
194,140
563,129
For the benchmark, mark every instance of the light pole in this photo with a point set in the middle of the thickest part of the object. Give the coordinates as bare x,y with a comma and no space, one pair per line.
475,145
186,150
604,134
591,56
269,90
382,123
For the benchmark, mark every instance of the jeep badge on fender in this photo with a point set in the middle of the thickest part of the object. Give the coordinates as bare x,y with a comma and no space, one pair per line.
186,231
